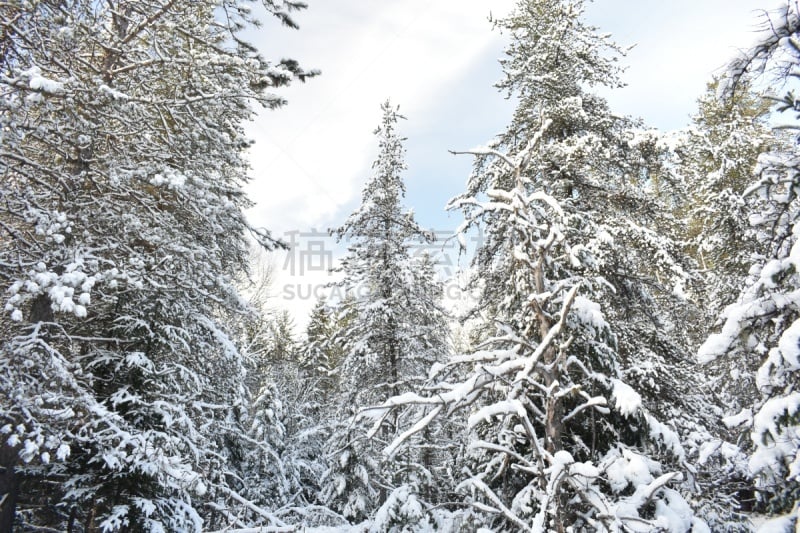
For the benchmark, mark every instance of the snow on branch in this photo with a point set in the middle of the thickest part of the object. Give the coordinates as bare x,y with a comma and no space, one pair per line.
421,424
489,493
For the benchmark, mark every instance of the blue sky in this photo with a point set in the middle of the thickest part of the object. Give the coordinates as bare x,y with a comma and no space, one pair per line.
437,59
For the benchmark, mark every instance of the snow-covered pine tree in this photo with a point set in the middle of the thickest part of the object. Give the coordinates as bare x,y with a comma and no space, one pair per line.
121,229
764,322
572,275
396,328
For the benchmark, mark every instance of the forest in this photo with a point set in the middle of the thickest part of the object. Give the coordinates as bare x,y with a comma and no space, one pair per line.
630,363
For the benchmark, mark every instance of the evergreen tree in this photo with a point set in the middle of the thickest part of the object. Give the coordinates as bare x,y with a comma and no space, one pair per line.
121,212
763,322
717,157
389,340
283,347
321,355
583,355
397,329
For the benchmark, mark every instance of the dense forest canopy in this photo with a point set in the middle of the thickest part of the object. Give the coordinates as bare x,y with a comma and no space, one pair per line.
629,362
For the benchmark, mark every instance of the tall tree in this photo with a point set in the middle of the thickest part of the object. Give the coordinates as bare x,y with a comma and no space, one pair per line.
717,157
580,363
764,322
397,329
121,212
395,294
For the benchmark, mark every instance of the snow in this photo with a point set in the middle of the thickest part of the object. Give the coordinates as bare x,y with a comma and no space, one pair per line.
29,450
486,413
113,93
170,178
715,447
435,369
63,452
605,237
666,435
674,514
344,528
783,524
562,458
718,344
627,400
776,443
789,345
679,290
715,346
37,82
766,420
745,416
587,470
589,314
699,526
626,468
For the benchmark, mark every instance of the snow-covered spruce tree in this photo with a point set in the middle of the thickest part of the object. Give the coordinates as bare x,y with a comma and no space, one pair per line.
765,320
396,330
393,334
571,392
322,352
121,229
320,355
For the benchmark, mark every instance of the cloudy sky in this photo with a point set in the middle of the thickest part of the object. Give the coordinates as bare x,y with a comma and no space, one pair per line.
437,60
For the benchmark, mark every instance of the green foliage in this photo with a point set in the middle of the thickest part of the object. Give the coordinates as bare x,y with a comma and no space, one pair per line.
121,233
